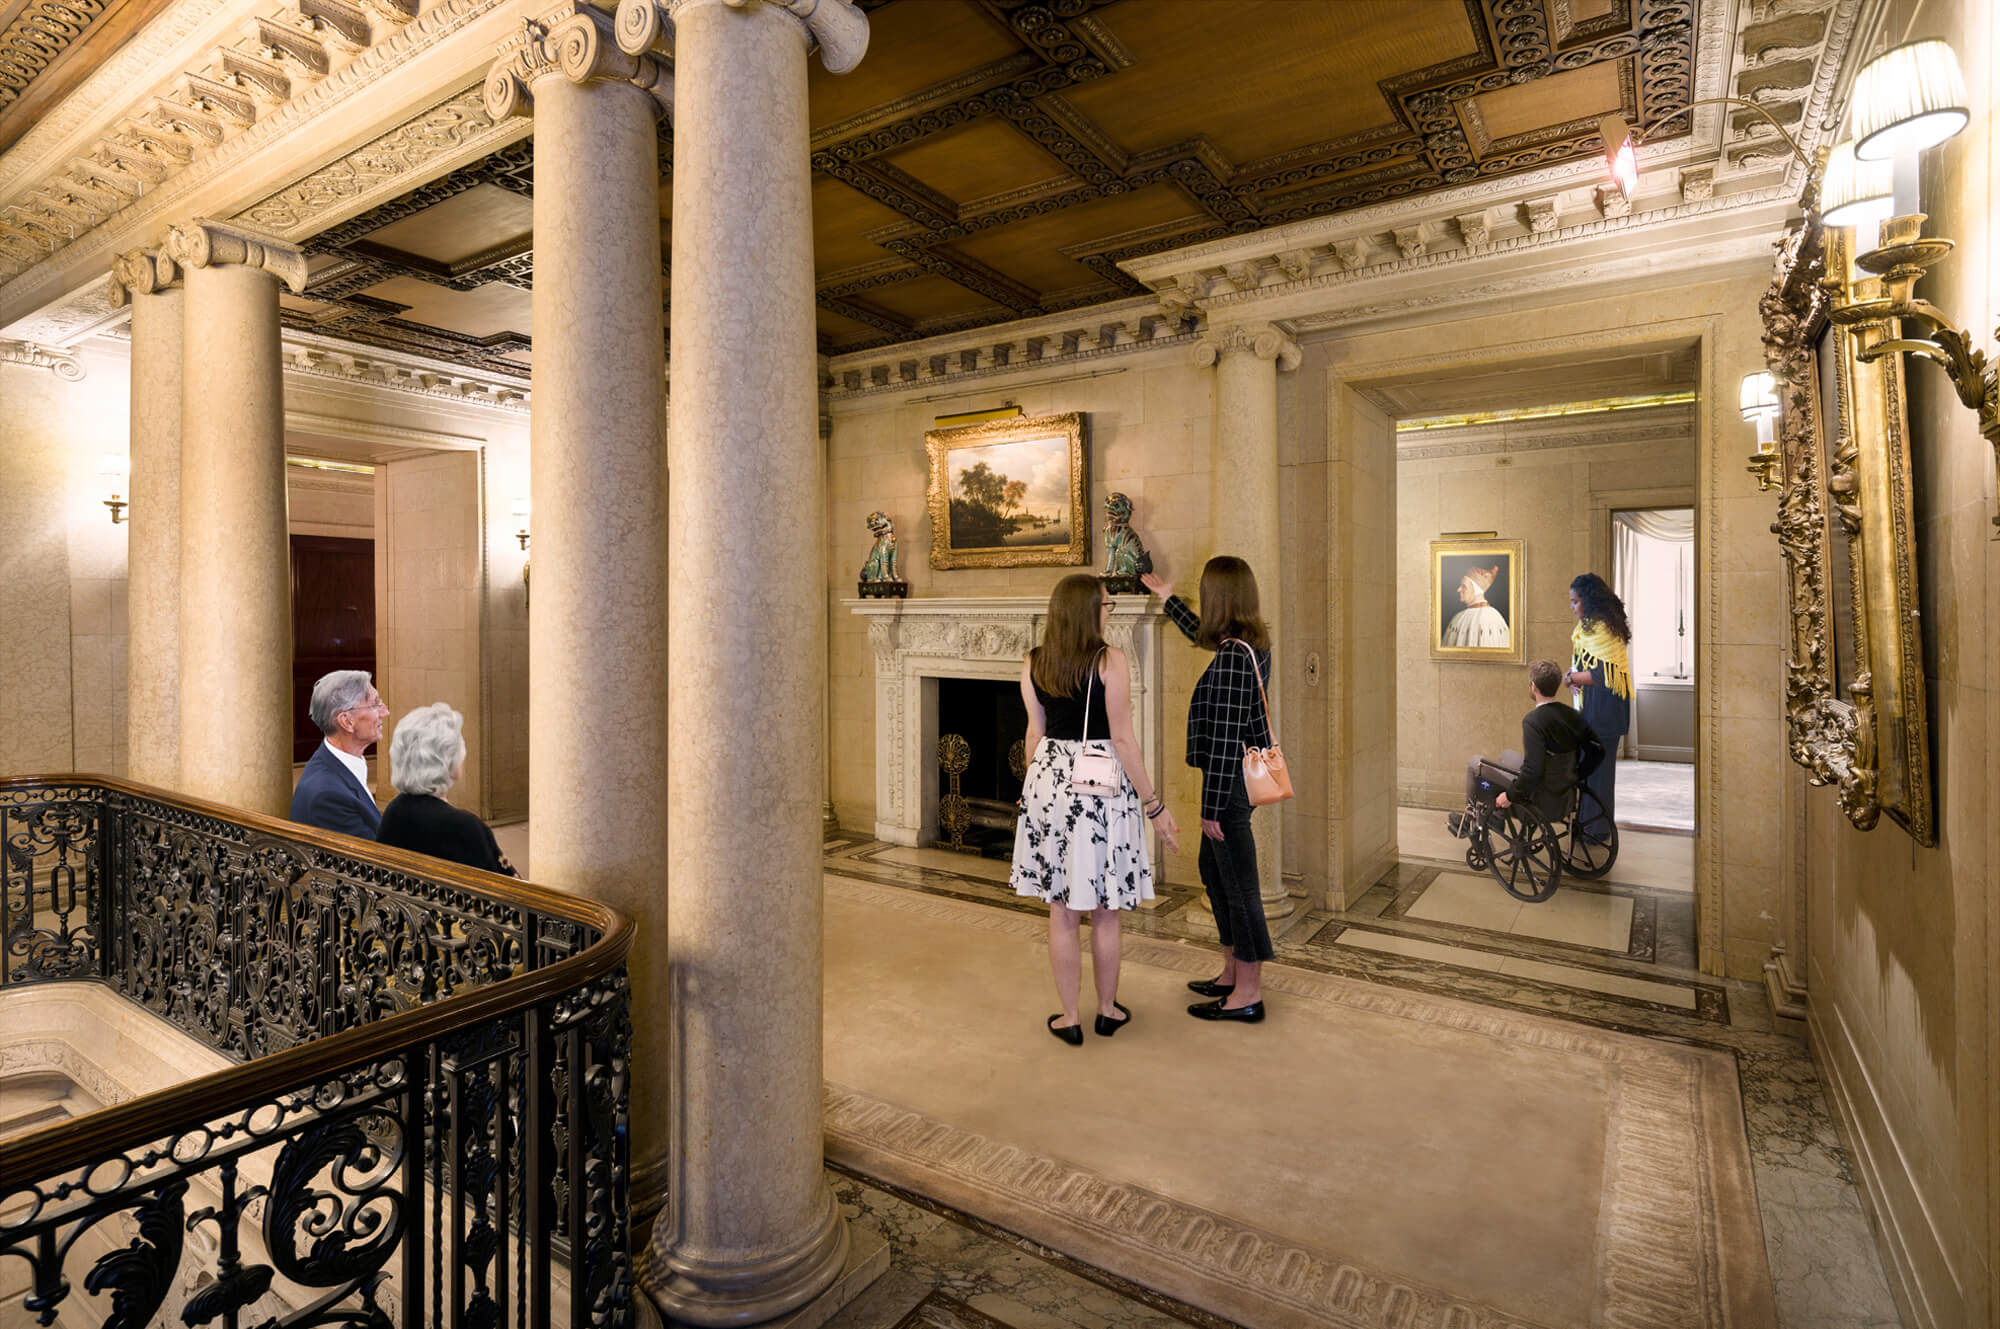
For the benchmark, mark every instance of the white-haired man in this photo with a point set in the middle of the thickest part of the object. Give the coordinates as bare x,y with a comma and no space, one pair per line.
332,792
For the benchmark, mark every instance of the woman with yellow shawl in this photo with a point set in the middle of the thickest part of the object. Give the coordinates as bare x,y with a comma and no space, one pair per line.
1601,674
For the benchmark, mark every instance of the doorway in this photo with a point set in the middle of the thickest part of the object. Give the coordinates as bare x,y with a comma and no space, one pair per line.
1652,571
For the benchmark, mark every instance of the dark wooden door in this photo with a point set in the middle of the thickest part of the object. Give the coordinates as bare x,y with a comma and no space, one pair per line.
333,620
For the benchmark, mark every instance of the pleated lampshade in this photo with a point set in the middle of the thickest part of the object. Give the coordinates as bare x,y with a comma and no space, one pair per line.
1854,192
1906,99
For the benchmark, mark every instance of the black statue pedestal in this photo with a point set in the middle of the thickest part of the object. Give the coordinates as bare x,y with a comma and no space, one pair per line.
884,590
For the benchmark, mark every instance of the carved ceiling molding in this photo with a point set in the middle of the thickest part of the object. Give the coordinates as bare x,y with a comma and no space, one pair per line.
379,172
64,364
37,37
158,155
136,64
1303,268
330,360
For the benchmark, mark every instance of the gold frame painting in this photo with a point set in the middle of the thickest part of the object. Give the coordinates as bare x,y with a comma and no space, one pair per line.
1846,528
1453,563
1011,493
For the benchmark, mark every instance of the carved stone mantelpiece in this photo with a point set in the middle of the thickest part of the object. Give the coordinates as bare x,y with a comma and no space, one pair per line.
916,642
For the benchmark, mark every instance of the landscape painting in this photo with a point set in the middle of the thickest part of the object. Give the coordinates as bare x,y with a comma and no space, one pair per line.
1009,493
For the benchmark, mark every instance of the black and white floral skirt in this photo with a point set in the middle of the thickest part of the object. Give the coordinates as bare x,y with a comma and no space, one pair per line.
1081,851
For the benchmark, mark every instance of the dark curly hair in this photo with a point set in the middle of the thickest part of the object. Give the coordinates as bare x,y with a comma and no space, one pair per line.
1601,605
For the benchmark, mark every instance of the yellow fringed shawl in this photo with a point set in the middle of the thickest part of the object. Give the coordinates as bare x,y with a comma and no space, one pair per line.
1593,644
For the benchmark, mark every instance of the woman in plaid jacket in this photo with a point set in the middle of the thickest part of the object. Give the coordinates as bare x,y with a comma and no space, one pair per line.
1225,714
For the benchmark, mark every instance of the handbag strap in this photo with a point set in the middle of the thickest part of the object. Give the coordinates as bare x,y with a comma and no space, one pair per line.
1087,687
1258,674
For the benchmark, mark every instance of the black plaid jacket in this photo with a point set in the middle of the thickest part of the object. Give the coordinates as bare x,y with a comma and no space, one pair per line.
1225,713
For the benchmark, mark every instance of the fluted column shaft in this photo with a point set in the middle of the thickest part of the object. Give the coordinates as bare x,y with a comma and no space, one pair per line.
751,1229
150,281
597,700
1243,510
235,568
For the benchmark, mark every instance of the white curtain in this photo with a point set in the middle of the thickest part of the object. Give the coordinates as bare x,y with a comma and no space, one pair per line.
1674,525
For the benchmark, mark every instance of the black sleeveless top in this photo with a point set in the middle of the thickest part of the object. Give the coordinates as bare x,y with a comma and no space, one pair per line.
1065,714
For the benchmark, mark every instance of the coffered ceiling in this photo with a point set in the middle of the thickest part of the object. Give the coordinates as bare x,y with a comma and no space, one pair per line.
995,159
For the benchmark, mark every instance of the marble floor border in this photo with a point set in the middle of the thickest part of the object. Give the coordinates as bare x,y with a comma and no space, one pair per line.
1151,1298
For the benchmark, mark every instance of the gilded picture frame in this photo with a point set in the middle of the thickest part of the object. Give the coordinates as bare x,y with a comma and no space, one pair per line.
1854,679
1475,599
1011,493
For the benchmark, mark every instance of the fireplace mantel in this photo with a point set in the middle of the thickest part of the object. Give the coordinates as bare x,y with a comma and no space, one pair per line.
916,642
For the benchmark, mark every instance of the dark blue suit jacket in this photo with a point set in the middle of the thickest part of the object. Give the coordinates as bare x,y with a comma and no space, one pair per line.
329,797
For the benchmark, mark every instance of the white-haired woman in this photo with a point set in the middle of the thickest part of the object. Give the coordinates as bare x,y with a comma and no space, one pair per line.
425,759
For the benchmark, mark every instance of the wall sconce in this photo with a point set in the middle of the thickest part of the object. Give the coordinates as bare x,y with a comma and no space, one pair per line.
520,514
1909,98
1759,403
113,467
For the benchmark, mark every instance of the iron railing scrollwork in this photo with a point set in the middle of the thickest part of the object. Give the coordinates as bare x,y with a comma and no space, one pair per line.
426,1124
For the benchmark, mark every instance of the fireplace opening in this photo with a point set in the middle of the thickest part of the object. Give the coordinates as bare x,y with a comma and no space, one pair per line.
988,716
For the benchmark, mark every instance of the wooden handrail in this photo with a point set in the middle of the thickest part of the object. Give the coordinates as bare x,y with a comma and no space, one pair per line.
72,1144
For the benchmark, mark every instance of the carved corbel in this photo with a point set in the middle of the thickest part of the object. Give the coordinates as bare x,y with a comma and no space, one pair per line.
203,243
156,142
141,272
279,42
219,100
1243,276
1474,228
137,162
129,186
342,23
266,80
1611,201
1296,264
186,120
1544,214
1261,340
1697,183
1411,242
1350,254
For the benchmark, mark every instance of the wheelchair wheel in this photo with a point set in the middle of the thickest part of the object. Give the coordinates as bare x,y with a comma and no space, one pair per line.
1475,858
1591,846
1524,854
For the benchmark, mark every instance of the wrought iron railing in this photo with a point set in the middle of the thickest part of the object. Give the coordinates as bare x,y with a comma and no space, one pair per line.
427,1121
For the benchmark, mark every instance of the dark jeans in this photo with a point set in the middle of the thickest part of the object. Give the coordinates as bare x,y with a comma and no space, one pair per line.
1229,871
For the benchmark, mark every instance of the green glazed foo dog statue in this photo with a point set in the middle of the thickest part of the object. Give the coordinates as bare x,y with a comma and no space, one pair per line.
878,574
1125,556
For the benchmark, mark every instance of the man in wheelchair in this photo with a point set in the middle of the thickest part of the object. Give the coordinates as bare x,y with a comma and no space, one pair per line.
1558,751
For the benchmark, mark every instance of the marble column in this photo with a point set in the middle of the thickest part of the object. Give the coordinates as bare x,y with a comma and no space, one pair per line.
1243,511
750,1230
149,281
597,689
235,593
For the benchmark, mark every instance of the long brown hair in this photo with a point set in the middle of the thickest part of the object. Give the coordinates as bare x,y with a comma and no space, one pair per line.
1229,605
1071,642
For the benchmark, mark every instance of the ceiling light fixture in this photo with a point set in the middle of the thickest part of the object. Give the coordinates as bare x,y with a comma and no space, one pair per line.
1621,139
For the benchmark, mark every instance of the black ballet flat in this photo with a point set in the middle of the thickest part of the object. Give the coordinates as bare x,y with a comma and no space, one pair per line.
1215,1010
1072,1034
1208,987
1106,1026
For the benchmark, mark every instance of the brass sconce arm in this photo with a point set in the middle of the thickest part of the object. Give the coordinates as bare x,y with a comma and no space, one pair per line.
1902,258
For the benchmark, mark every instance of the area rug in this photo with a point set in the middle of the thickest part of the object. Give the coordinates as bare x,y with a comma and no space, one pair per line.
1366,1157
1656,795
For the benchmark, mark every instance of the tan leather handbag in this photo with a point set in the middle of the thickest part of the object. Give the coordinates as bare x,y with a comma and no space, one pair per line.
1265,778
1096,772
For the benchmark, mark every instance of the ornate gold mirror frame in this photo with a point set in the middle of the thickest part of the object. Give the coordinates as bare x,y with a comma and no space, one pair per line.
1845,449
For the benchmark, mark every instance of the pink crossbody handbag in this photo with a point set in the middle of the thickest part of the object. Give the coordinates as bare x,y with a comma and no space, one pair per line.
1265,778
1095,773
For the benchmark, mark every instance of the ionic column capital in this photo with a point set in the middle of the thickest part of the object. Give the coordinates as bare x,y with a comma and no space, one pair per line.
203,243
64,364
584,45
836,27
141,272
1260,339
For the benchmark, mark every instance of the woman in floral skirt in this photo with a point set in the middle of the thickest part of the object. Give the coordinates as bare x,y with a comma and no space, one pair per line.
1083,852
